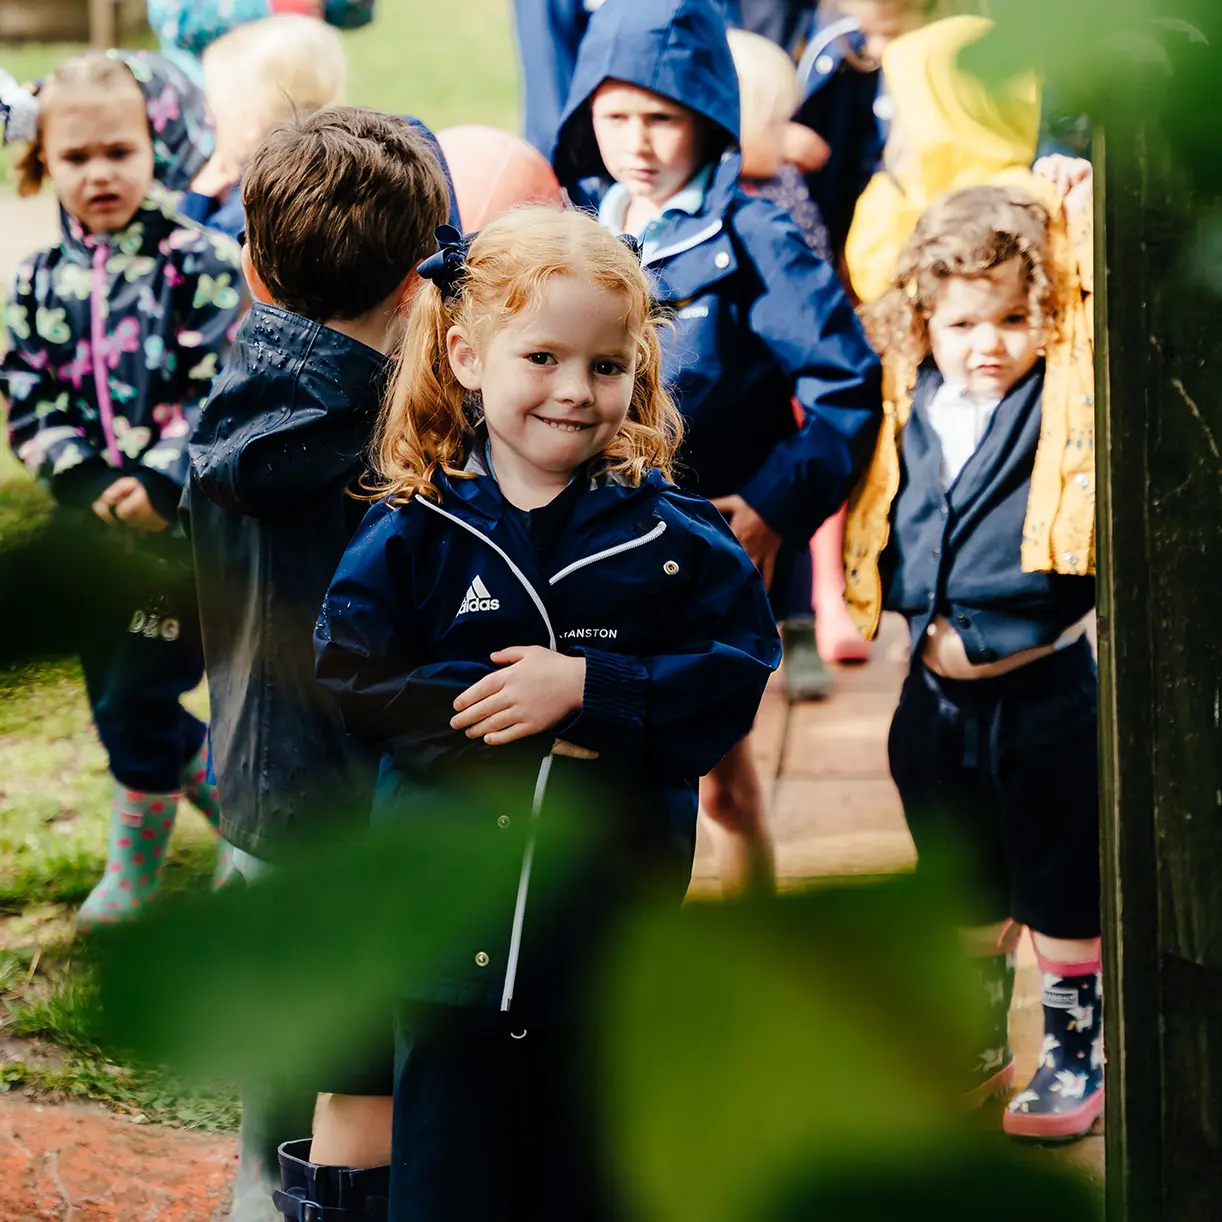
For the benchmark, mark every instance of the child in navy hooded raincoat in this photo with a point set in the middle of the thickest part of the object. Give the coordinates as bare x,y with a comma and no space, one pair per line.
533,605
759,321
114,337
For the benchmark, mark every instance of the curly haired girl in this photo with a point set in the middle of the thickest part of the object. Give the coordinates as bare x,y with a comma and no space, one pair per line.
975,523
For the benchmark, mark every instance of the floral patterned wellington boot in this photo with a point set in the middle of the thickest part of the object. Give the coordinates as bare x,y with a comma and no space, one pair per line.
140,827
1065,1096
201,793
993,1070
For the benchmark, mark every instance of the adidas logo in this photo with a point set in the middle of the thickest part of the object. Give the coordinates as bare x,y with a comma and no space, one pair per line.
477,598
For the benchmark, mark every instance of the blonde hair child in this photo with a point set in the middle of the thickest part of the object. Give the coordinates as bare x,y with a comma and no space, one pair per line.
260,75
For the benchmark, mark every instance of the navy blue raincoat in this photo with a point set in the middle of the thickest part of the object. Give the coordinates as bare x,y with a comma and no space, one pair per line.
279,444
760,321
648,585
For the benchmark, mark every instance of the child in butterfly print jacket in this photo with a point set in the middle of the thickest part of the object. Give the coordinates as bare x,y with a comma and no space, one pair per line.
114,335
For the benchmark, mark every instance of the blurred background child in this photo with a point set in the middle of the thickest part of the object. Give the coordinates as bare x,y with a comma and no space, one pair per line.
186,28
256,77
114,336
768,95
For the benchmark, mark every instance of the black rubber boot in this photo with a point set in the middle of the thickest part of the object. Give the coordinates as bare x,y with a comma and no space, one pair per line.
992,1072
313,1193
806,677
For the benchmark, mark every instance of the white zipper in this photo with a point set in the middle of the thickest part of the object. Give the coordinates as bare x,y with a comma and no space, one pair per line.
657,532
545,768
687,244
528,860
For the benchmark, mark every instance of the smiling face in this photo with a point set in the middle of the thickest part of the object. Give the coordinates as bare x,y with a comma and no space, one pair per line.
981,333
556,384
650,144
99,154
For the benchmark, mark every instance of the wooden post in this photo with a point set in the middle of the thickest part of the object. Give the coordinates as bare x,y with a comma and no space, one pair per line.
102,26
1159,360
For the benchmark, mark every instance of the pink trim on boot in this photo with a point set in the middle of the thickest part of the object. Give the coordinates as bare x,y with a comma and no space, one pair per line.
1064,1125
1058,967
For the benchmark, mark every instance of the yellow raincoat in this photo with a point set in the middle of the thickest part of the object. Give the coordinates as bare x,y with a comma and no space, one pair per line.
949,131
1059,530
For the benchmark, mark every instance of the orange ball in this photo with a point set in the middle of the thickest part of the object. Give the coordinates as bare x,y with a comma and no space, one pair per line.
492,171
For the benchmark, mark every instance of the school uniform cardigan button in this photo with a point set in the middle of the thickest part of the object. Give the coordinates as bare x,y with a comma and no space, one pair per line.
721,259
481,959
670,568
502,821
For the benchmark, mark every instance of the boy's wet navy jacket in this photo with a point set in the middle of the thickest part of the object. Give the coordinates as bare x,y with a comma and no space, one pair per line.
650,587
760,321
279,444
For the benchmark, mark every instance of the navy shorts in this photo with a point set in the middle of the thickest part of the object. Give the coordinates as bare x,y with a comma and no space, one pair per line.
1002,776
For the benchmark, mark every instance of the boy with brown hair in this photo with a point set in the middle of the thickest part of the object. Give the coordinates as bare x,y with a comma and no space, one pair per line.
340,209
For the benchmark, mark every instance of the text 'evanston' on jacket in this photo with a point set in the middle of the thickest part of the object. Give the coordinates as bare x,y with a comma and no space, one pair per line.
646,583
759,320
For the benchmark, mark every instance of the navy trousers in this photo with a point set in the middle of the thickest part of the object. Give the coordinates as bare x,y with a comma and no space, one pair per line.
493,1128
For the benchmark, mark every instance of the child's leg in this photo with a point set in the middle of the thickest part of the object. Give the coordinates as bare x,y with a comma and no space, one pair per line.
732,800
836,635
937,750
135,679
1049,780
803,672
352,1130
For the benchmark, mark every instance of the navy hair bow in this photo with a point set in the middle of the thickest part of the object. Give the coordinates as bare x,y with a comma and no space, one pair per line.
632,243
447,269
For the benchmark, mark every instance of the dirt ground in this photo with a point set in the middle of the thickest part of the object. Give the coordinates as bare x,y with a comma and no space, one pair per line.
834,811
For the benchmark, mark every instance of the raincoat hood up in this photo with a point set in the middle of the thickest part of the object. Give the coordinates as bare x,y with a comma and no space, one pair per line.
950,130
676,48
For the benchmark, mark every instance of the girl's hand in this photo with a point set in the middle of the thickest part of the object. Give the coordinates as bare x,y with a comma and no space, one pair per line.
536,690
104,507
1067,174
127,501
759,540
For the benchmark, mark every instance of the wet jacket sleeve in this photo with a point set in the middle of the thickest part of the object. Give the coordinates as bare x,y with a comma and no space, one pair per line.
549,33
810,330
42,430
207,301
368,656
684,707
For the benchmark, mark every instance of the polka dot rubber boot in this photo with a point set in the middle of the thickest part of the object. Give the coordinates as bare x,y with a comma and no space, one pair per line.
201,793
1064,1098
140,827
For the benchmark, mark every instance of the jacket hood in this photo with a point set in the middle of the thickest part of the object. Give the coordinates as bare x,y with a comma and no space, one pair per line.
954,129
676,48
950,130
178,120
291,414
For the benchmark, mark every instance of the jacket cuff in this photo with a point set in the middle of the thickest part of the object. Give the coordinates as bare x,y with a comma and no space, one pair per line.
612,716
78,487
791,511
163,493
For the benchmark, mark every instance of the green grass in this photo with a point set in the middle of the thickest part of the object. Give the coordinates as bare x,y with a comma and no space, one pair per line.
447,64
